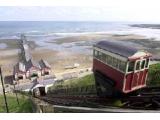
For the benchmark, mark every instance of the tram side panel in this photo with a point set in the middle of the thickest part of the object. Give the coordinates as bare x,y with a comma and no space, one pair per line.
135,80
116,76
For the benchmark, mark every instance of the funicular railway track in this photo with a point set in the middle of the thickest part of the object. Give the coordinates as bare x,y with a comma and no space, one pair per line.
145,99
59,107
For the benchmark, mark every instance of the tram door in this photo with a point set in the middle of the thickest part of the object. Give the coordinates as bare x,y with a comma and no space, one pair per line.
139,74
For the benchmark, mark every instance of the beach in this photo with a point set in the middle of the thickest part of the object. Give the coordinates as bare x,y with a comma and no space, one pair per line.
69,50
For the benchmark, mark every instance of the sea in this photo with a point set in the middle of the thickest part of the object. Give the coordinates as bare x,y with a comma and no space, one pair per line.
42,31
13,29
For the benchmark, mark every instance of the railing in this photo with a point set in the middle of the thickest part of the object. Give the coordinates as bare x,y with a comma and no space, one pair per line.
85,90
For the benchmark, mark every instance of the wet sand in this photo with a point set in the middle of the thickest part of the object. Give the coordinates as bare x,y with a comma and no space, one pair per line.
59,58
96,37
14,44
7,62
138,41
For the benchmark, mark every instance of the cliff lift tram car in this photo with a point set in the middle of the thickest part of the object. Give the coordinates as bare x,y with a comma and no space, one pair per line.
119,68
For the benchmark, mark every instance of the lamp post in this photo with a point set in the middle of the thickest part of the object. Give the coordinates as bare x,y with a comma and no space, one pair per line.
5,99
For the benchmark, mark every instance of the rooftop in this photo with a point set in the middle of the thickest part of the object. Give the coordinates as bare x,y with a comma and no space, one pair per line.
117,48
44,64
31,63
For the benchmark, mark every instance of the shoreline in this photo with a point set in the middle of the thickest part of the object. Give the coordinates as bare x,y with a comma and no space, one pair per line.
14,44
151,26
69,50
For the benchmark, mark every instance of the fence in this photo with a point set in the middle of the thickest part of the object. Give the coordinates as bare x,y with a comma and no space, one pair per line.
85,90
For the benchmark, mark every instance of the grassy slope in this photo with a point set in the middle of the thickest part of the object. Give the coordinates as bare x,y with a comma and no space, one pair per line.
79,82
82,82
153,79
24,107
154,75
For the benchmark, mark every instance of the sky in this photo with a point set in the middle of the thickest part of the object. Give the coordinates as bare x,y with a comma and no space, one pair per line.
80,10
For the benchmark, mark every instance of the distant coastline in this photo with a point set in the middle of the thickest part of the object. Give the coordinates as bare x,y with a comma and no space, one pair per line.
151,26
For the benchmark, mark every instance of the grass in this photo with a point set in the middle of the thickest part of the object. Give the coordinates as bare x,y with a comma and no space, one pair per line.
154,75
153,79
25,105
117,103
79,82
82,82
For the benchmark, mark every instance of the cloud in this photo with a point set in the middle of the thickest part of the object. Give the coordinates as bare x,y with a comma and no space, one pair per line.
81,13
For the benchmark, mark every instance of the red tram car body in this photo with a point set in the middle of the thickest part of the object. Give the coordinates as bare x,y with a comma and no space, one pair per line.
125,66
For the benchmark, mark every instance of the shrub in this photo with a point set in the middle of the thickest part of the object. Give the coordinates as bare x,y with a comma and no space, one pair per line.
154,75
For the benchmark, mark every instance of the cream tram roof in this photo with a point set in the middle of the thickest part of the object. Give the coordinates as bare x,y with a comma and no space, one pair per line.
121,49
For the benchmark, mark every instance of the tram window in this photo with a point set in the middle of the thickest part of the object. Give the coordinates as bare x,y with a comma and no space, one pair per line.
99,55
115,63
131,66
109,60
122,65
118,63
138,65
106,59
143,64
96,53
103,57
147,63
